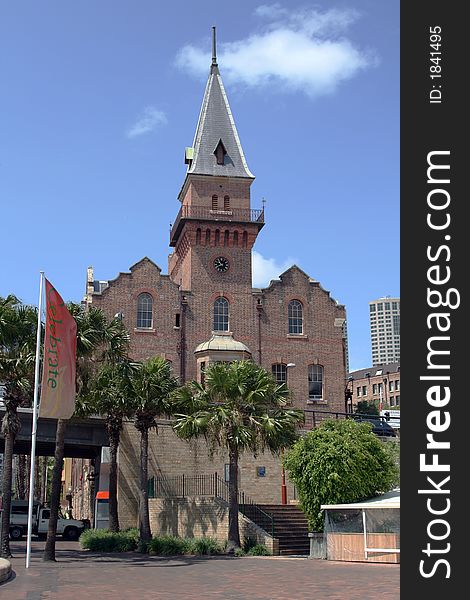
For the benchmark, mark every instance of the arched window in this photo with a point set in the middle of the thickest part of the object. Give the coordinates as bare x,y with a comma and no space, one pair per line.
295,317
226,236
279,371
245,239
217,237
208,237
215,202
235,238
226,202
144,311
198,236
315,382
221,314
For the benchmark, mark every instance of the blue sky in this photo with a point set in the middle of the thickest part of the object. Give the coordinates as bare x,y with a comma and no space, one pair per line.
100,98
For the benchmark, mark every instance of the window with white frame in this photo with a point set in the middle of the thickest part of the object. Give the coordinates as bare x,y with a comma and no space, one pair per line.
221,314
279,371
144,311
295,317
315,382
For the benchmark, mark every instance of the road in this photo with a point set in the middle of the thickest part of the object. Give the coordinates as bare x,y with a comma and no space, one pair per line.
84,575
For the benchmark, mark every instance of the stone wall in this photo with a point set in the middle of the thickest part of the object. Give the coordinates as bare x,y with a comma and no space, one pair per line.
201,516
169,455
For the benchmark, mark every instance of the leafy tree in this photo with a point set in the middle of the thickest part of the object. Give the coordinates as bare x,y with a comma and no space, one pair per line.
149,395
98,341
108,395
18,328
241,409
339,462
367,408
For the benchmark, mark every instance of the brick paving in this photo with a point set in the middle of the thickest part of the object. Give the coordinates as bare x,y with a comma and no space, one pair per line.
83,575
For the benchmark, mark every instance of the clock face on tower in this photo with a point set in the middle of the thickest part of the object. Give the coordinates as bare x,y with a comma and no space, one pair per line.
221,264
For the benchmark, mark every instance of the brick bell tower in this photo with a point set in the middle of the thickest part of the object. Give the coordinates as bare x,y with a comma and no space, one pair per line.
216,227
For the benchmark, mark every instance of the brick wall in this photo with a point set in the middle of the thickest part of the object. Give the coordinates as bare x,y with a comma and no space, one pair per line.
201,516
368,388
169,455
260,326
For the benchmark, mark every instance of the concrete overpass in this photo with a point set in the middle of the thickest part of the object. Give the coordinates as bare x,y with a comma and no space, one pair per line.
84,438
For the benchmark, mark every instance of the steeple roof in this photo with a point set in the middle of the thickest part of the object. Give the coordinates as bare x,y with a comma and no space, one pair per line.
216,148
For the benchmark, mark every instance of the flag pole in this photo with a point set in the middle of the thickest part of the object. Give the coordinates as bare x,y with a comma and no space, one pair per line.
34,425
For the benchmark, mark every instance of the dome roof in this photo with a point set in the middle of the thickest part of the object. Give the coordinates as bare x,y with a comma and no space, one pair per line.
222,341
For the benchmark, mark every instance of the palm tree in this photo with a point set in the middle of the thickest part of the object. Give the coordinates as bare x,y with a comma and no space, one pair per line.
240,408
108,396
18,326
152,384
98,341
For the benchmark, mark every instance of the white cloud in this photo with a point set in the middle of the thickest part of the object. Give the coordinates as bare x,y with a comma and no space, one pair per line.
149,120
265,269
296,50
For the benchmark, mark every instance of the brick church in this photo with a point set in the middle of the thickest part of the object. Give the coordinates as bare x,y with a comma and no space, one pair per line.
206,308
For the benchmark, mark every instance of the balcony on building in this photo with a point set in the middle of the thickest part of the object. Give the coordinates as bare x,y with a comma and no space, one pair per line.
205,213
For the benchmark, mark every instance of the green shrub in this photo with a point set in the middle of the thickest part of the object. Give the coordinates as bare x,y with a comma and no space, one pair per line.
240,552
102,540
249,543
259,550
169,545
339,462
143,547
205,545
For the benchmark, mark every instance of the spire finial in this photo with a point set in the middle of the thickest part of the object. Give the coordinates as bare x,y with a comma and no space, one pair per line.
214,50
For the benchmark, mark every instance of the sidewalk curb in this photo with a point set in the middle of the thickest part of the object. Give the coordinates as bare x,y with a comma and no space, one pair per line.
5,569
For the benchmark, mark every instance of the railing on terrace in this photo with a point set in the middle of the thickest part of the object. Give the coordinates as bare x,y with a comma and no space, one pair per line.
314,418
205,213
211,485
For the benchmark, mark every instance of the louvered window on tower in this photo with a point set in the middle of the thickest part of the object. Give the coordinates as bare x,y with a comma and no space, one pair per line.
215,202
220,153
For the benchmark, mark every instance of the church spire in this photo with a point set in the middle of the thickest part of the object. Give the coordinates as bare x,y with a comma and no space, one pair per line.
216,148
214,65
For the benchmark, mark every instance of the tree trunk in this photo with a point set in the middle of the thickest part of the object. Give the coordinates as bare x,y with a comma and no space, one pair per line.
6,487
233,529
11,426
49,550
21,477
144,518
37,479
114,432
43,494
91,491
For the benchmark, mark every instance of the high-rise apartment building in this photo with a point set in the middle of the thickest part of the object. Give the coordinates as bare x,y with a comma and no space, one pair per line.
385,330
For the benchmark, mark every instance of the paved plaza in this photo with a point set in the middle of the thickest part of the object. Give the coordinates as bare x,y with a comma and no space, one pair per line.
83,575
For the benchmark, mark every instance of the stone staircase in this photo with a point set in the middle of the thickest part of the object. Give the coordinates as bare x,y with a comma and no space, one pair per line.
290,528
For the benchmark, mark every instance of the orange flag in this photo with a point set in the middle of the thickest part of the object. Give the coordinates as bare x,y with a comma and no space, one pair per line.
60,352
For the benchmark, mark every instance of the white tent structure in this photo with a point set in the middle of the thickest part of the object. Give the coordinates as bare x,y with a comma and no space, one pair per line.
364,531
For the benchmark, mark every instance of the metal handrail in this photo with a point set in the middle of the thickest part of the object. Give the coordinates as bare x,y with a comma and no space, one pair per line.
313,418
181,486
237,215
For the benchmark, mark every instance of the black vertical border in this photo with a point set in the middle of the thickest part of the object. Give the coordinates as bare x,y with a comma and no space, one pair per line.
427,127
